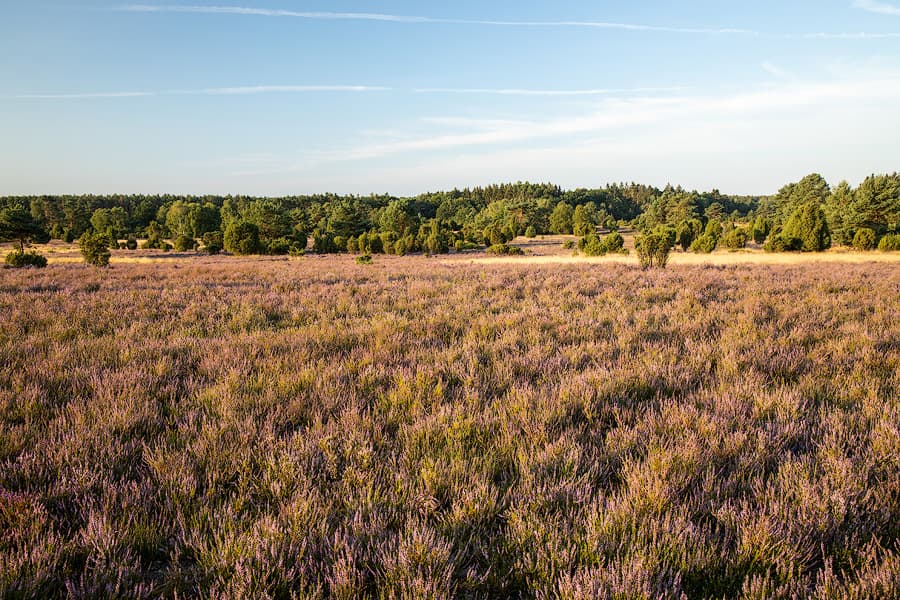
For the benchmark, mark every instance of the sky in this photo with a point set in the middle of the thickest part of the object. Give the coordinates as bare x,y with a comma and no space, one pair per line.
277,97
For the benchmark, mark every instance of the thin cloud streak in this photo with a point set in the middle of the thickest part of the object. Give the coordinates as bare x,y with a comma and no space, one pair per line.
869,5
618,114
223,91
351,16
881,8
535,92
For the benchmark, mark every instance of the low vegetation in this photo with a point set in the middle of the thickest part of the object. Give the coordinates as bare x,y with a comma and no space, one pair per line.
314,428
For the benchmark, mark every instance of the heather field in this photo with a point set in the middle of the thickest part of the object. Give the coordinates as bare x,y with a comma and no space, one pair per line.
427,428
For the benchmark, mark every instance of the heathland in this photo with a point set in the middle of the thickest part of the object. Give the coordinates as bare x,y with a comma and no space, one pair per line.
230,427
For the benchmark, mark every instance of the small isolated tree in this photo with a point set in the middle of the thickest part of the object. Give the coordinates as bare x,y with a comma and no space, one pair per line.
864,239
17,225
94,248
242,237
530,232
653,249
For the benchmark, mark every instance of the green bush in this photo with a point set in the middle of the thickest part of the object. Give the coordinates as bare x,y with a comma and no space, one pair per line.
704,244
735,239
530,232
613,242
131,243
890,243
591,245
242,237
653,249
864,239
568,244
279,246
26,259
364,259
505,249
212,242
94,248
807,224
183,243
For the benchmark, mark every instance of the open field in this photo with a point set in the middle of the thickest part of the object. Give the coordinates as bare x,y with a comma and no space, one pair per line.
248,428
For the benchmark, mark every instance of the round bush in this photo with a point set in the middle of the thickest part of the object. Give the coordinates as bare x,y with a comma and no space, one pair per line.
94,248
890,243
183,243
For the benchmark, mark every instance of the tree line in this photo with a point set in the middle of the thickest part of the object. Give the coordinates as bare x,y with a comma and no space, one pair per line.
805,216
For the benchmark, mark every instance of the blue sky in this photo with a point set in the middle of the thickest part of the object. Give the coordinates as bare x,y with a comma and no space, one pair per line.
276,97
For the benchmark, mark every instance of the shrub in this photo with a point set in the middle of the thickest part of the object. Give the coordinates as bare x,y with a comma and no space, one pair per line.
183,243
242,237
568,244
864,239
505,249
279,246
614,242
704,244
131,243
807,224
212,242
364,259
653,249
94,248
26,259
735,239
890,243
340,242
530,232
591,245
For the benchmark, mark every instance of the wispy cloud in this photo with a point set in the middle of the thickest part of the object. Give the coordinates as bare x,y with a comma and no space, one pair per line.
353,16
882,8
548,92
222,91
620,113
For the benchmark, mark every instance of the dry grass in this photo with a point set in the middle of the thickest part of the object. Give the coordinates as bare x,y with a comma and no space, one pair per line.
247,428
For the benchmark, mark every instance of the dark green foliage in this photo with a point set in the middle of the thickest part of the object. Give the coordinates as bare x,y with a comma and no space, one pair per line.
242,237
593,245
890,243
131,243
213,242
530,232
687,231
561,219
760,229
735,239
17,224
183,243
864,239
569,244
653,249
94,248
364,259
155,237
505,249
713,229
704,244
18,259
806,229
